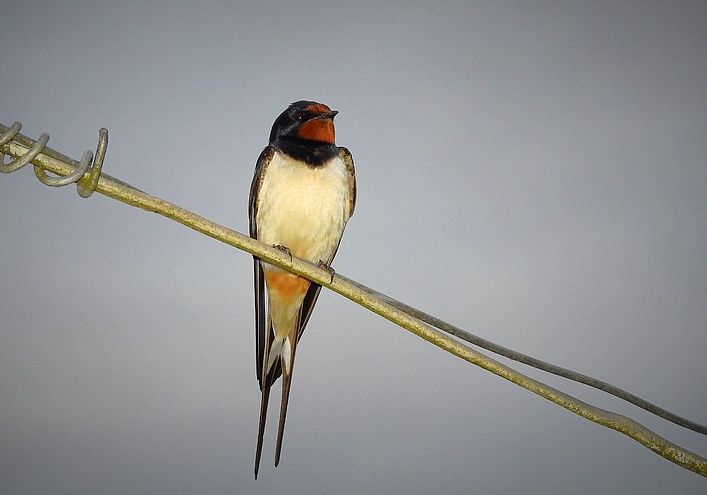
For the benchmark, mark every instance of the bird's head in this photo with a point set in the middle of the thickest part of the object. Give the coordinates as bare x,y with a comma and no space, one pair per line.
305,122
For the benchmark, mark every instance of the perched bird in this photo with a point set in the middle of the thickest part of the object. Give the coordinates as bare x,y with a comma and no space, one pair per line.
302,195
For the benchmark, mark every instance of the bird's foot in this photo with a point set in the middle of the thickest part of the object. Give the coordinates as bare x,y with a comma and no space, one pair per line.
326,267
284,249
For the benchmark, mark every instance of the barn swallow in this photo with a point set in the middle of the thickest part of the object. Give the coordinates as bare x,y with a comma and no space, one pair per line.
302,195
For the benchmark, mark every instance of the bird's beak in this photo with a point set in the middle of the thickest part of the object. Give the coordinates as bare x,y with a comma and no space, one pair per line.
325,115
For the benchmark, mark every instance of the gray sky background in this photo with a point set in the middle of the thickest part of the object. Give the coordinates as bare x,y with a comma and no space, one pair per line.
554,150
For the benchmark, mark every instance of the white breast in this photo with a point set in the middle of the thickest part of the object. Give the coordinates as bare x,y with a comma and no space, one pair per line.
302,207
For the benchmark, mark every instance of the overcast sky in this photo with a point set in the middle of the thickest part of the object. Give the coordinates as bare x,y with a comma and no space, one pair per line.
556,151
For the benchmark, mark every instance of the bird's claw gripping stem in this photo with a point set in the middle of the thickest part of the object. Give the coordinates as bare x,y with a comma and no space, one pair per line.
326,267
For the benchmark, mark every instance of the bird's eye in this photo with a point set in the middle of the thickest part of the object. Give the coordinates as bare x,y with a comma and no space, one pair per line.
299,116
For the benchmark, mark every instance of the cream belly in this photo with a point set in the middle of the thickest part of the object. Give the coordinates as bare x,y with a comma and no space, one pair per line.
302,207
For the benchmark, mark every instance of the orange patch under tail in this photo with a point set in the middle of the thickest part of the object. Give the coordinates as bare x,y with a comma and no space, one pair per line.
286,284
